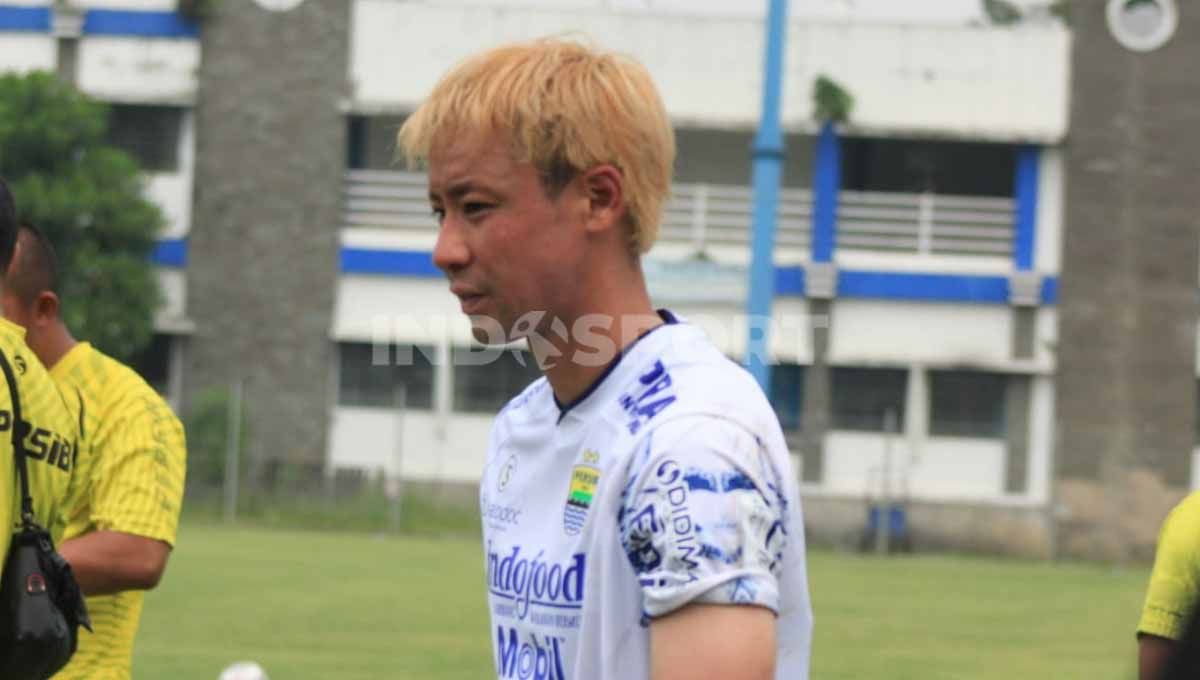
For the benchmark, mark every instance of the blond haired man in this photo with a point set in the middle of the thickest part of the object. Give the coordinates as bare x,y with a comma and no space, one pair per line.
641,519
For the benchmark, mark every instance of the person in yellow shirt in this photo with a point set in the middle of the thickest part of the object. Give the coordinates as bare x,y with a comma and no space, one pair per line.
1174,588
121,531
52,442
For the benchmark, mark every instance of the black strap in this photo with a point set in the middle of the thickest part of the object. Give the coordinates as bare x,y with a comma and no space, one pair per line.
18,442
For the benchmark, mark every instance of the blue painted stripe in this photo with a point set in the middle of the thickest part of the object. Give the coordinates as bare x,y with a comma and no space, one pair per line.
18,18
394,262
826,187
139,23
1050,290
789,281
1025,238
171,252
923,286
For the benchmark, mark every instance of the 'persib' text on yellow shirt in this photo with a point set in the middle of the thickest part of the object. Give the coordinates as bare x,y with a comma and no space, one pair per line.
52,441
132,470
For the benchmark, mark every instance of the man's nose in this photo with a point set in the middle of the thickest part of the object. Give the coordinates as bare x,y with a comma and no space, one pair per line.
450,253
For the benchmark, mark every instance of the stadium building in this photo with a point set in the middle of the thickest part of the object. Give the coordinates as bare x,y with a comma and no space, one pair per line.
986,281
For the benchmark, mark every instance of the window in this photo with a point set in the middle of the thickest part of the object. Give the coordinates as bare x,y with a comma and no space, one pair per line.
967,404
371,142
357,128
149,133
941,167
487,387
375,381
787,394
863,398
153,363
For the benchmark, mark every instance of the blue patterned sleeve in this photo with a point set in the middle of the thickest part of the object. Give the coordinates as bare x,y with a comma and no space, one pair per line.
703,517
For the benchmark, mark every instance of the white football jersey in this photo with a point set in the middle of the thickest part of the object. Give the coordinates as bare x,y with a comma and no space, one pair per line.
668,483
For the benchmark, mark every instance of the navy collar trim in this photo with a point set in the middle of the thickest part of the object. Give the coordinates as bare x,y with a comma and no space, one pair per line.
668,318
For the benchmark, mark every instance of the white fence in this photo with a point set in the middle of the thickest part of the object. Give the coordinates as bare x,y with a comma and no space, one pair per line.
699,215
925,224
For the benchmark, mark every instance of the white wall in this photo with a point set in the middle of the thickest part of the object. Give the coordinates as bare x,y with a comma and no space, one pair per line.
905,262
391,239
887,331
422,311
406,310
958,80
1196,469
1042,437
1048,247
25,52
172,191
171,316
1045,346
944,468
365,438
144,5
129,69
924,12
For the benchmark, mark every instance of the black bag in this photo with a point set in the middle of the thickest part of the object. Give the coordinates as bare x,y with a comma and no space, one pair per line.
41,606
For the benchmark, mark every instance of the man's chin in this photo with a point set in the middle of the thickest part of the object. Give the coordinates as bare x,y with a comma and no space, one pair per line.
489,331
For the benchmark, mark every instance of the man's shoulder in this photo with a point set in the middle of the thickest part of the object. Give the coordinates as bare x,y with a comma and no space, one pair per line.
529,402
691,377
115,389
41,398
1183,522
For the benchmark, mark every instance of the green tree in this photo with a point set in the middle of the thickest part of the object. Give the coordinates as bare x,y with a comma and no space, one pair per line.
86,195
832,103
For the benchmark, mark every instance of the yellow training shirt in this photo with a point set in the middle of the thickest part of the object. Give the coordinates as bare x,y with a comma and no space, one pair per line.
1175,580
133,471
51,444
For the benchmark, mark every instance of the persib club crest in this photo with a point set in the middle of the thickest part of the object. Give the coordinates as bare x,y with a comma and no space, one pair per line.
584,479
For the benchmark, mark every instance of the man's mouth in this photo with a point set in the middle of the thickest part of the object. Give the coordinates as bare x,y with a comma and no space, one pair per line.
472,303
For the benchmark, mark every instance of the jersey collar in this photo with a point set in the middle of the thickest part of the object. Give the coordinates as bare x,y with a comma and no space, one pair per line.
7,326
73,357
669,319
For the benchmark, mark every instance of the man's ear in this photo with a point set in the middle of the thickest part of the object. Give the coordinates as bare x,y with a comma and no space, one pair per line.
46,308
604,187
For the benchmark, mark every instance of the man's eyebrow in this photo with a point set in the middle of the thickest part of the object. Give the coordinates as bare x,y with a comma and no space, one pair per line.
455,191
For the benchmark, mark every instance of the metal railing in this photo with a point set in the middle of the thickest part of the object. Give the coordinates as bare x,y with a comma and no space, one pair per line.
703,215
925,224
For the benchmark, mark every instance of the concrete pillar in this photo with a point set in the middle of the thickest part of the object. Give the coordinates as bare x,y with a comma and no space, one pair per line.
263,254
1016,450
1128,307
817,405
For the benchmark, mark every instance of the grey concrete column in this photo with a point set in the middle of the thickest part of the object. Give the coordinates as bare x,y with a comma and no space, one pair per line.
263,253
1016,415
1024,331
1128,308
817,407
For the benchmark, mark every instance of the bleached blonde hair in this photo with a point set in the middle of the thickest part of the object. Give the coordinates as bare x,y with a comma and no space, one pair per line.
565,107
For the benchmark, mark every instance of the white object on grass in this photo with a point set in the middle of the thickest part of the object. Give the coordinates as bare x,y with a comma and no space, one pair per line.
244,670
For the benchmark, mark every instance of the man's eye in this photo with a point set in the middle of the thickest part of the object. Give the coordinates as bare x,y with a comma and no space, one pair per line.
439,214
474,208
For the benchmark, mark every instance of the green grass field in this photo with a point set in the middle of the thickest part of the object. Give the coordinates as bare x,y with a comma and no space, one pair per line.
314,605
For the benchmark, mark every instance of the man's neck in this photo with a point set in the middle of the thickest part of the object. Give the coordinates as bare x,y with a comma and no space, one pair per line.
53,345
594,342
